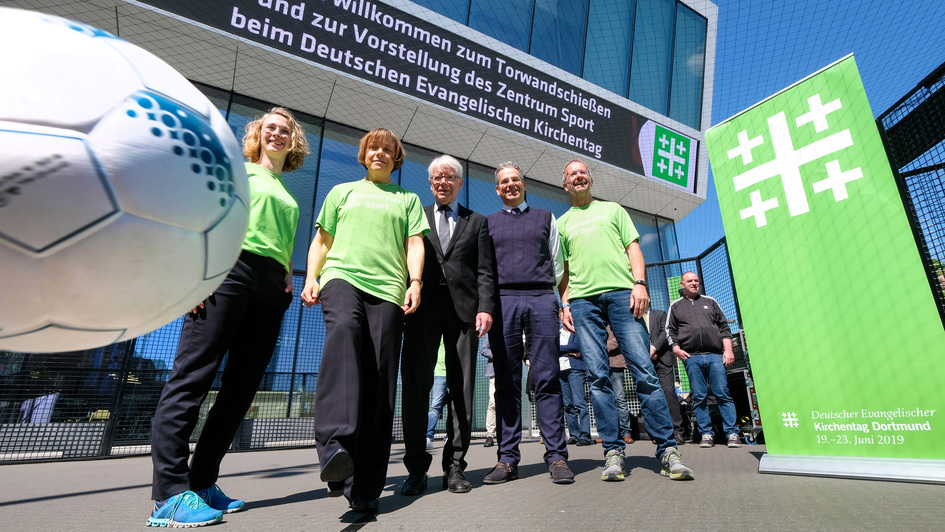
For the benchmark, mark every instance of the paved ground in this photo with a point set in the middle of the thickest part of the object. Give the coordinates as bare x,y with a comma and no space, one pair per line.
284,493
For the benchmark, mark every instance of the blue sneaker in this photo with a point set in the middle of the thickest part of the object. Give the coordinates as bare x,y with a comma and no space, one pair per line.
184,510
216,499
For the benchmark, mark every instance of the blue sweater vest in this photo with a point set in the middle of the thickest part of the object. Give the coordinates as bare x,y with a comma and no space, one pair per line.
523,257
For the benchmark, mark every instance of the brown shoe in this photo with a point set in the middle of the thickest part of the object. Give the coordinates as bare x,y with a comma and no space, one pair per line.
501,473
627,439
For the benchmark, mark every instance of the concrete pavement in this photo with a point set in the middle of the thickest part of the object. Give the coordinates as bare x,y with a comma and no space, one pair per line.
283,493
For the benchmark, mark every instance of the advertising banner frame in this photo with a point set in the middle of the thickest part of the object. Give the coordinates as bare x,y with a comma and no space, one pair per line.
816,232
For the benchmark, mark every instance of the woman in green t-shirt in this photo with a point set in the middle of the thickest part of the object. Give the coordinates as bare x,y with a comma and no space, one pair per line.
242,317
364,269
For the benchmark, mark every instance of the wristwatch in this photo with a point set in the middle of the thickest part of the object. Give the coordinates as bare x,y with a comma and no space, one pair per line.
638,281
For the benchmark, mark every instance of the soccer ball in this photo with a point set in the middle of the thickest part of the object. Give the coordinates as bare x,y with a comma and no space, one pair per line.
123,195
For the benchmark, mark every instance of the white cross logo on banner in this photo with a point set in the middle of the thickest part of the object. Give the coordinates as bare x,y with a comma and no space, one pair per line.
788,160
818,113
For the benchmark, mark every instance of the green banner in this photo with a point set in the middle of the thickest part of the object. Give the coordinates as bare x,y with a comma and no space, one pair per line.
830,283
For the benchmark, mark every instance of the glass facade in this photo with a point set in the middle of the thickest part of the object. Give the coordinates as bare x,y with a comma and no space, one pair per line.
333,161
650,51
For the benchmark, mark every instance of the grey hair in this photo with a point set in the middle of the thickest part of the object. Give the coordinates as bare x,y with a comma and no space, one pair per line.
564,179
508,164
447,161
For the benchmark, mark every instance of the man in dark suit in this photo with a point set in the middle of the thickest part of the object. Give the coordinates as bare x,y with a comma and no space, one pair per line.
664,361
457,302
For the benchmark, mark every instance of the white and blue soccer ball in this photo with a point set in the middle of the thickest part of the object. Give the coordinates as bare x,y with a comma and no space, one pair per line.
123,196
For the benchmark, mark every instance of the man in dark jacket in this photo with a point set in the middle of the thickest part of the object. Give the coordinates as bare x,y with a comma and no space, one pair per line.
664,361
457,290
697,331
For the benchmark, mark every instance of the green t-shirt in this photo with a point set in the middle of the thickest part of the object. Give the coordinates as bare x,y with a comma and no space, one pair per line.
594,240
370,224
273,216
440,369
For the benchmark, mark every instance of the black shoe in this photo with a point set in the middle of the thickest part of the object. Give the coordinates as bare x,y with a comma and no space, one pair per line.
679,437
489,442
501,473
415,484
336,489
560,472
338,466
362,506
455,481
584,443
571,441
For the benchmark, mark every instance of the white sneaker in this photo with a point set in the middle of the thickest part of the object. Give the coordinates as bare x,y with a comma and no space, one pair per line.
734,441
707,441
429,444
613,467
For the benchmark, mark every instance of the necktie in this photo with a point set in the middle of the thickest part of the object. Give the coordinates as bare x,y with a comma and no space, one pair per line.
443,231
516,211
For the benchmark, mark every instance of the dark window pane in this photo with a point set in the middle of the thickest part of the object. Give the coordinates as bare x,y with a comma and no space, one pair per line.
558,33
506,20
685,103
480,184
454,9
607,53
668,239
649,235
652,54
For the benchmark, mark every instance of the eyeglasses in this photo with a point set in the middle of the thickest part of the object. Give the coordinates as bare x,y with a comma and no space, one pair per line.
577,173
447,177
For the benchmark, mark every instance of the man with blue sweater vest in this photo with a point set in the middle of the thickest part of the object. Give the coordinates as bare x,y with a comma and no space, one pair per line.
529,267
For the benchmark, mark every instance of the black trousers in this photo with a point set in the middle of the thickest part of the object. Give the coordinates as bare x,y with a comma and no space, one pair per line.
357,383
436,318
668,384
242,317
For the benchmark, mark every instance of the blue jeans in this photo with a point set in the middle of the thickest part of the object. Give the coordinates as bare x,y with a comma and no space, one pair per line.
575,403
436,405
708,368
590,316
620,399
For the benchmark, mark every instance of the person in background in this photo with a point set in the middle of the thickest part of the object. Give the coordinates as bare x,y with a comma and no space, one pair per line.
698,332
439,393
617,366
486,352
572,376
242,317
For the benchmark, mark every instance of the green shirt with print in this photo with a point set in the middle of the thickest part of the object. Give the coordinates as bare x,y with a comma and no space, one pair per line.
273,216
370,224
594,240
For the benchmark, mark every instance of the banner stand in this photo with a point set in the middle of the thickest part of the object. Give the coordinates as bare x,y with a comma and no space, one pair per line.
899,469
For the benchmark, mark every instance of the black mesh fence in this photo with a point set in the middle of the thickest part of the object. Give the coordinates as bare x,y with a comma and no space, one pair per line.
914,132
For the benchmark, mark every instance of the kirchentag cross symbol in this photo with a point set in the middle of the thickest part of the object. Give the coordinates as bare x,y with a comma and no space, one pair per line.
671,156
789,160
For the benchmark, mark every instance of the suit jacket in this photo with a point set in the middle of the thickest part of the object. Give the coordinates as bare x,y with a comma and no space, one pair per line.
658,337
467,263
